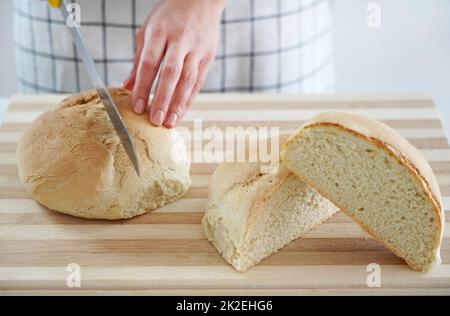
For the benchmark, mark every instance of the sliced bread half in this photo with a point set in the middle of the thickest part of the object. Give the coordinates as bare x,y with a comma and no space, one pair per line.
377,177
251,215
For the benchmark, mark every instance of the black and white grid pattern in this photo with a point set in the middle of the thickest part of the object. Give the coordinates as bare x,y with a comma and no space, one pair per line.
265,45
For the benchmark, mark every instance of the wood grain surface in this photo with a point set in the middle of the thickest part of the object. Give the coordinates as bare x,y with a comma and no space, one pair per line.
165,252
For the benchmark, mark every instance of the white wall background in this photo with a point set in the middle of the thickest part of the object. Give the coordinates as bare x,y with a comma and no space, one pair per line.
409,53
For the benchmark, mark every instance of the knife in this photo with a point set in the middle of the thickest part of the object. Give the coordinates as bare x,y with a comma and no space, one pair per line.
105,96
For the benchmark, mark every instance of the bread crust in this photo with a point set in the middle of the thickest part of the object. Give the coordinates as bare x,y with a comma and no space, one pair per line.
386,138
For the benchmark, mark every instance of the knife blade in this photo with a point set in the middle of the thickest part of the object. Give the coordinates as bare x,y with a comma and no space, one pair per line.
105,96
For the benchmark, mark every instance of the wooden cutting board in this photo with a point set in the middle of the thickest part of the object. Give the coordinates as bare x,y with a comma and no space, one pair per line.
165,252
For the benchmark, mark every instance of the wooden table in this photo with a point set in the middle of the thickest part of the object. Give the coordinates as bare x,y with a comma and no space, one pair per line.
165,252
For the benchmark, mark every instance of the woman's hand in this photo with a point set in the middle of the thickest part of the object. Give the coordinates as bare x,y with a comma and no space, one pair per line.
179,38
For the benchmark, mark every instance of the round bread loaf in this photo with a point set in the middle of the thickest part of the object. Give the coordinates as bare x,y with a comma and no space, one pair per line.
72,161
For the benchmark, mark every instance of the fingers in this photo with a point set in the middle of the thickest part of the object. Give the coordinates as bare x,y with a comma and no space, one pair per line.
190,84
168,78
181,76
203,68
129,82
147,70
183,90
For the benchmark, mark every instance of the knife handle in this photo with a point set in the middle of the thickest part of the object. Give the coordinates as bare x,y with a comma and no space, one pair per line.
55,3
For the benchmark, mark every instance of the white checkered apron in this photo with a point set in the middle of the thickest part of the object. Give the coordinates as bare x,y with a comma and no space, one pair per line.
265,45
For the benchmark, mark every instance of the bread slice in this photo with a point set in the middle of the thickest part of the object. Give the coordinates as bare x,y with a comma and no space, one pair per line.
377,177
251,215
